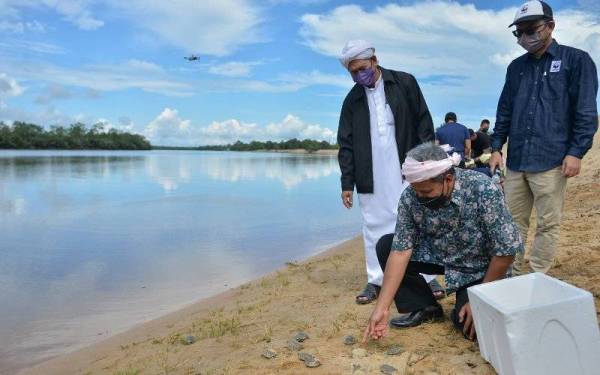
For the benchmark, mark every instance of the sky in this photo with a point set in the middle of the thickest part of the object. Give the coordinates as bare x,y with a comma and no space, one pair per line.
268,70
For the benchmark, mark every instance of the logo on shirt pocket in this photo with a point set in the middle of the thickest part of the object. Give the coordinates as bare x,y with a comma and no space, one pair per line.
555,66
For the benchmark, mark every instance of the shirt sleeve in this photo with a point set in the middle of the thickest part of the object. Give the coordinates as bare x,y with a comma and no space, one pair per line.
503,115
583,90
406,232
500,230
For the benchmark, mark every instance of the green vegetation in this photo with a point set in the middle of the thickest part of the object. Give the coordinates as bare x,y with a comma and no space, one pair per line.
22,135
309,145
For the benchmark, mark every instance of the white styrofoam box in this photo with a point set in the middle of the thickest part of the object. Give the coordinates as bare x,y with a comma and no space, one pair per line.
536,324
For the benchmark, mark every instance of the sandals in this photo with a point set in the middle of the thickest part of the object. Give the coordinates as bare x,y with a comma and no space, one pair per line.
368,295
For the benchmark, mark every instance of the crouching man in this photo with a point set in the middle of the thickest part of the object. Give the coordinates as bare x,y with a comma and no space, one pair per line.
451,222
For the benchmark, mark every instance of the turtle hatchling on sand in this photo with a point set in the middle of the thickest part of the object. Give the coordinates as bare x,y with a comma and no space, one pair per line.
388,370
294,345
394,350
305,357
269,354
188,340
314,363
301,336
349,340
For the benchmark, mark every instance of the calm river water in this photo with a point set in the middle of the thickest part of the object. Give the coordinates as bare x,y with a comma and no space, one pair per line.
93,242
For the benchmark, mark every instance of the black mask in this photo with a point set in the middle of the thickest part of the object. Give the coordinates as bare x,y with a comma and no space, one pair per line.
434,203
485,130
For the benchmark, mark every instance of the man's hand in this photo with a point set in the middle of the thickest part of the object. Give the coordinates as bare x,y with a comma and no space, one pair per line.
378,325
495,161
347,198
466,315
571,166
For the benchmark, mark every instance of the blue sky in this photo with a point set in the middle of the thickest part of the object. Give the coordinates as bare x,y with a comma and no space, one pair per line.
268,69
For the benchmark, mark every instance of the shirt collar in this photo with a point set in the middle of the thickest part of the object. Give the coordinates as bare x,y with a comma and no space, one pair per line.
552,51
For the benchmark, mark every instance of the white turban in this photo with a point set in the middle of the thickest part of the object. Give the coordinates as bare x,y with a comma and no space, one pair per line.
417,171
356,50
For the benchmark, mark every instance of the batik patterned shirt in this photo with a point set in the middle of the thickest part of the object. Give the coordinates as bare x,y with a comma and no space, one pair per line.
463,235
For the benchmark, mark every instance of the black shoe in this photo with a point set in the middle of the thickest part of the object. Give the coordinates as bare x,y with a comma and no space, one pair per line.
368,295
431,313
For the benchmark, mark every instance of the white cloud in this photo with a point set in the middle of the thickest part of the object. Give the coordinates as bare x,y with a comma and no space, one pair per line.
215,28
53,92
206,27
47,116
11,46
458,52
169,128
437,36
292,127
284,82
9,86
19,27
77,12
234,68
130,74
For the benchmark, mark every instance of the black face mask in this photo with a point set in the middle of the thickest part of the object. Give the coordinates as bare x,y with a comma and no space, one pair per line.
485,130
434,203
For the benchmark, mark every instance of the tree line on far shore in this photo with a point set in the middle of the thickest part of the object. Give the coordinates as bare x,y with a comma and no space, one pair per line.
309,145
22,135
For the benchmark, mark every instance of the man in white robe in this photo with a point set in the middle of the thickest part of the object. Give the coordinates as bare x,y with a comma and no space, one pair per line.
383,116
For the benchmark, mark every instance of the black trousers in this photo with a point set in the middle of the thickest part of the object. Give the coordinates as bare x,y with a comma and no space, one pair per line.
414,293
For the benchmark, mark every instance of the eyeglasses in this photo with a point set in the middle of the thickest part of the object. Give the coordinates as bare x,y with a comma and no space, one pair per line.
530,31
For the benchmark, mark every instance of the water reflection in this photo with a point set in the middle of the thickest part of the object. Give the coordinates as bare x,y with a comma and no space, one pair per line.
94,242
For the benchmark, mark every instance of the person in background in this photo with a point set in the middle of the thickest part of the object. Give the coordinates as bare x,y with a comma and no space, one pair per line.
452,222
481,143
548,113
383,116
456,135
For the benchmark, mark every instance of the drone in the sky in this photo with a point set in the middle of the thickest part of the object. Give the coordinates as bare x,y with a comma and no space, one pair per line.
192,58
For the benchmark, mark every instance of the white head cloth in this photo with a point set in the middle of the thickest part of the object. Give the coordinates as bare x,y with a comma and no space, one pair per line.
417,171
356,50
447,148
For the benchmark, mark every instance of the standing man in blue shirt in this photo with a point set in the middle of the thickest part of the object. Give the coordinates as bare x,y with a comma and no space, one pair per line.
456,135
548,112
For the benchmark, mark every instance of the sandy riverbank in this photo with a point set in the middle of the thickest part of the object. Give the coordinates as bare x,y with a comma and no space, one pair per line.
317,296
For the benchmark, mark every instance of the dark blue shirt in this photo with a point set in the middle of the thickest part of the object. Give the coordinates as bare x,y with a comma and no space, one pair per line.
547,109
453,134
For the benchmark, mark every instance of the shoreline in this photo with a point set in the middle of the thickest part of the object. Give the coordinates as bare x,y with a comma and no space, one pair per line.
166,322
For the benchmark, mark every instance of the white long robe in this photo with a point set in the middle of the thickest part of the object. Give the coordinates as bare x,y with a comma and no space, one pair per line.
380,209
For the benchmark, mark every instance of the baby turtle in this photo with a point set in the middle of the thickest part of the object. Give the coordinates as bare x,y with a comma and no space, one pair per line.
394,350
305,357
388,370
313,363
359,353
269,354
188,340
349,340
301,336
294,345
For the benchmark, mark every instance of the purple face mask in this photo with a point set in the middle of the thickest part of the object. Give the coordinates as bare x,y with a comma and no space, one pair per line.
365,77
